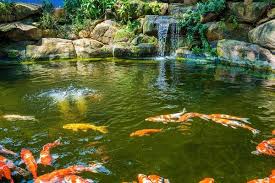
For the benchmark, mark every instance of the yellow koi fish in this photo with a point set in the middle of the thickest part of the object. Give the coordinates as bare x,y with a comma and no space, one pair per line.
85,127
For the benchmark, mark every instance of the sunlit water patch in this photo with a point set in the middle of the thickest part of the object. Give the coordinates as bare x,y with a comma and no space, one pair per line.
126,94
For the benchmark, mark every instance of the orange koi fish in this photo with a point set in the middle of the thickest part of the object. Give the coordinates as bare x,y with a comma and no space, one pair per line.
225,116
12,166
3,150
207,180
28,159
151,179
58,175
233,124
166,118
270,179
76,179
273,132
45,155
5,172
266,147
144,132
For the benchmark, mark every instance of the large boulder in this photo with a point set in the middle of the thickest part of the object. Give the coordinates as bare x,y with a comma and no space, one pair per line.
86,48
264,35
19,11
149,25
105,32
51,48
242,52
223,30
247,12
18,31
124,50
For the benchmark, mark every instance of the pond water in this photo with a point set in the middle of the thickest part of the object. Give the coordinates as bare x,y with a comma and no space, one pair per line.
129,92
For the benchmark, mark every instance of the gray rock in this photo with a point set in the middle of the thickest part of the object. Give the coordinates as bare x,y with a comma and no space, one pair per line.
86,48
105,32
264,35
149,26
51,48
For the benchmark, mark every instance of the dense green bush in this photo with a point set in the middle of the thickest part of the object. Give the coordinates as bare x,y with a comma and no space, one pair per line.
192,22
5,8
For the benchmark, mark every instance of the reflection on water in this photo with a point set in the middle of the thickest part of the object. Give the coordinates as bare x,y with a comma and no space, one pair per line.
59,93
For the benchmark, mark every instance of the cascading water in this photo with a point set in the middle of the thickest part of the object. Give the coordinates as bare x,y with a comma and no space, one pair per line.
174,38
163,25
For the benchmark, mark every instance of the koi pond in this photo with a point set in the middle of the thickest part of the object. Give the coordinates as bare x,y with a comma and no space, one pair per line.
125,93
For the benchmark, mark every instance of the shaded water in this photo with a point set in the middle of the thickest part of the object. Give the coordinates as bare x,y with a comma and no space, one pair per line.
131,92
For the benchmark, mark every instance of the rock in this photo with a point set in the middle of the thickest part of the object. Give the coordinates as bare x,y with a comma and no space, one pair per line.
49,33
177,9
19,11
186,2
239,51
247,12
15,50
149,26
86,48
123,35
209,17
124,50
264,35
18,31
105,32
51,48
140,39
270,16
84,34
223,30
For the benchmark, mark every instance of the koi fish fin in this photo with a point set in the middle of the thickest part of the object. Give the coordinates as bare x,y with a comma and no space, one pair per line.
224,125
255,152
184,111
98,168
38,161
245,120
255,131
233,127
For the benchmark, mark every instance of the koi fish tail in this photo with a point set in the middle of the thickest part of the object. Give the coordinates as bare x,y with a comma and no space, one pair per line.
102,129
98,168
256,152
245,120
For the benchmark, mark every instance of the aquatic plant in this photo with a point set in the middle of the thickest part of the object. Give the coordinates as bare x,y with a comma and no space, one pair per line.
192,22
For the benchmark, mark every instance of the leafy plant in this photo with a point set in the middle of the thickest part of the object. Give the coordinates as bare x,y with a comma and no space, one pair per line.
193,25
48,21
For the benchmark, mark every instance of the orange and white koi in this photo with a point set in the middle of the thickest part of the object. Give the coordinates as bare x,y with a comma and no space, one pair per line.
233,124
76,179
207,180
28,159
45,155
270,179
60,174
225,116
3,150
151,179
144,132
5,172
266,147
187,116
166,118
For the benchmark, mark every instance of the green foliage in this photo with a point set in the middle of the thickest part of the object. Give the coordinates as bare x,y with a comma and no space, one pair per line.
48,21
5,8
195,28
47,6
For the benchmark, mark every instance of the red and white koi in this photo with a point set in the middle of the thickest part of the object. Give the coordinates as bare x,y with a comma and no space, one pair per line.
45,155
266,147
225,116
76,179
151,179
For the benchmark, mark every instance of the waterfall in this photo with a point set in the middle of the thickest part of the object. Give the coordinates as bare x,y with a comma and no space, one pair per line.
174,38
163,25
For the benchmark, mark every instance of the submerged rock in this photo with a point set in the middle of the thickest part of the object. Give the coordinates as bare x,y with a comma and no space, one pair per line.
51,48
240,52
264,35
18,31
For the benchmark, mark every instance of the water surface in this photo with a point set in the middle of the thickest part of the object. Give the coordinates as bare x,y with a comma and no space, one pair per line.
130,92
